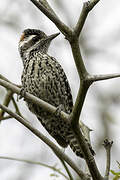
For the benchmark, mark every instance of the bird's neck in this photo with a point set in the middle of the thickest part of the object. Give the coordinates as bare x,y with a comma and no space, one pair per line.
31,53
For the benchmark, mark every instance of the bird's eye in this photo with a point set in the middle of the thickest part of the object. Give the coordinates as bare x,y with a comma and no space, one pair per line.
35,38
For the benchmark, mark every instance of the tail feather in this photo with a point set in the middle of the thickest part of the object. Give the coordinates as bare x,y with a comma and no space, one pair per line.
75,145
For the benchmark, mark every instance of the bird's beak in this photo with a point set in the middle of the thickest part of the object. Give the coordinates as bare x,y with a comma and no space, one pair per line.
51,37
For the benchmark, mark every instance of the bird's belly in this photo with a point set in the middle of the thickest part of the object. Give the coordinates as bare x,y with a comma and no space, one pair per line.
43,88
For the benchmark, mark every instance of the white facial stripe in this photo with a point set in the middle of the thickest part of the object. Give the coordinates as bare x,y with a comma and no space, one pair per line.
26,40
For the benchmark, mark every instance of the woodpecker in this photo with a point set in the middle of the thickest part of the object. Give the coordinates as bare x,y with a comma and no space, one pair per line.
44,77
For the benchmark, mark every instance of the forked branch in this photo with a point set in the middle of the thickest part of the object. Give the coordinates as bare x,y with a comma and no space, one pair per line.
57,151
45,8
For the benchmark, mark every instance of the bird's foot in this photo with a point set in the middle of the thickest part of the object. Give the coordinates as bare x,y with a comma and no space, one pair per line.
22,94
63,150
58,110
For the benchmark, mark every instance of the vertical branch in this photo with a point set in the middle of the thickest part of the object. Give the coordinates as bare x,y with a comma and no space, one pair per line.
79,102
78,57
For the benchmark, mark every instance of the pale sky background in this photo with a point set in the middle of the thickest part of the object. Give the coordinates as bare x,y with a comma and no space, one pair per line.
100,43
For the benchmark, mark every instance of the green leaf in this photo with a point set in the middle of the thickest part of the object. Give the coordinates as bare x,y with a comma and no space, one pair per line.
115,173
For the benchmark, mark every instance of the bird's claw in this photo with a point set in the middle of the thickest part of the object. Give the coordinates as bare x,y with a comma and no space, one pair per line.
58,110
22,94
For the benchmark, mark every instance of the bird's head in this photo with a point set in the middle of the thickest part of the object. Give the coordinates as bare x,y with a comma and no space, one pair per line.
33,39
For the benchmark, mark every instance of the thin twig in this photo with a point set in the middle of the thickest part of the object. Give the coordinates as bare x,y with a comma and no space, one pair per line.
35,163
6,118
4,78
107,145
6,102
102,77
57,151
87,6
16,107
67,170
